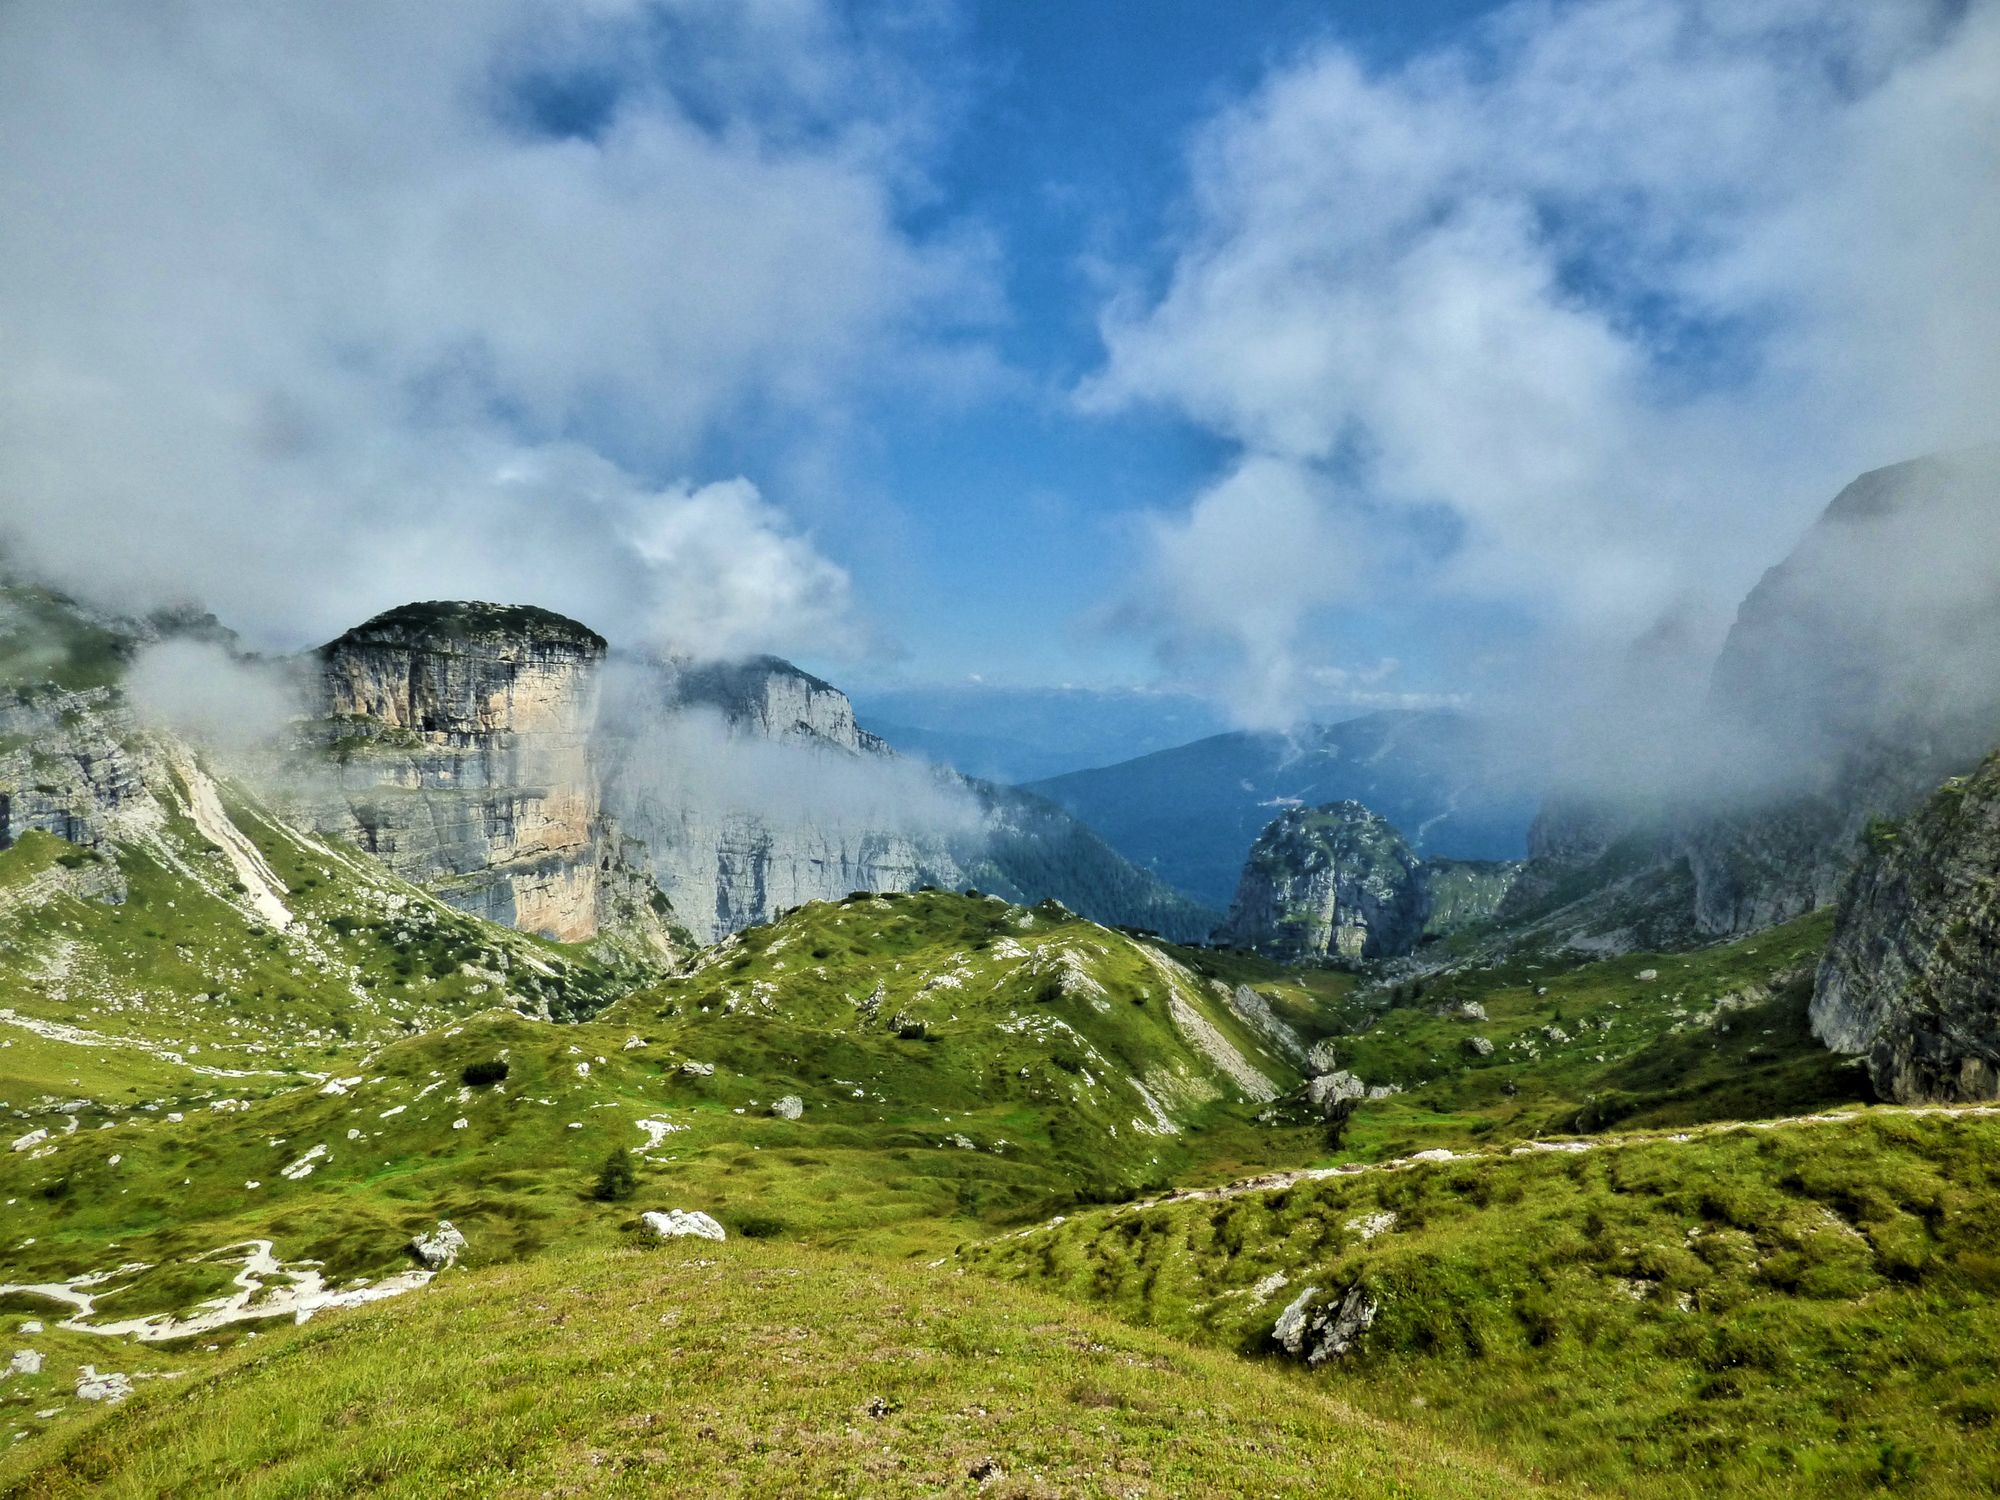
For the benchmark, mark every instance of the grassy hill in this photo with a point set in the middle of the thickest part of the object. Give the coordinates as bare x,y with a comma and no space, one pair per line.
1745,1311
741,1369
226,1111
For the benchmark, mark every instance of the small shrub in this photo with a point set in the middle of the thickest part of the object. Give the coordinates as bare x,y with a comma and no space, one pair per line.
480,1074
617,1179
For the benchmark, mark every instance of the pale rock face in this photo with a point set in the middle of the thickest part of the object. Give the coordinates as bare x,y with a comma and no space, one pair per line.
1332,882
1317,1334
1330,1090
111,1387
77,770
441,1247
789,1108
461,737
679,1223
1911,980
727,866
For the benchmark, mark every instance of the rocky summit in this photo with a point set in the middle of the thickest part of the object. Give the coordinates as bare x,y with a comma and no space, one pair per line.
459,740
1329,882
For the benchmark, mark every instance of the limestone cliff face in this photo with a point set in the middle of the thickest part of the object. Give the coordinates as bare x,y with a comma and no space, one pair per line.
1911,980
73,764
461,739
1329,882
768,698
753,791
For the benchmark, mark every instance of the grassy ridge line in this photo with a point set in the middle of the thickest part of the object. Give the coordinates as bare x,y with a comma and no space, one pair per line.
1762,1310
1268,1182
738,1369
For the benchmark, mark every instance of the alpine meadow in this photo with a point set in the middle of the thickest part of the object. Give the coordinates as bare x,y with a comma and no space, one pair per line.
976,747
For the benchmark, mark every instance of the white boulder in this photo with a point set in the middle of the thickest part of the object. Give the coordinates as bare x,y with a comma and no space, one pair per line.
676,1223
440,1247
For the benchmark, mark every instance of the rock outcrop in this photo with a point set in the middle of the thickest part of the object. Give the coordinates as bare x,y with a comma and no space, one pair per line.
683,1223
1329,882
460,735
72,765
1911,981
441,1247
1317,1331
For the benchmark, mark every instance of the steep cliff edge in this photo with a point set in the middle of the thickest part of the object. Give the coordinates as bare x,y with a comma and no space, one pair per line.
1911,980
460,738
754,791
1329,882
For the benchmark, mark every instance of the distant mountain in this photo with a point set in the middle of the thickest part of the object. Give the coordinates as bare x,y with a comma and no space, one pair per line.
1858,675
1190,814
1018,735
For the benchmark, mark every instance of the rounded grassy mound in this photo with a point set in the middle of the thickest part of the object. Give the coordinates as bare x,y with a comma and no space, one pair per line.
733,1369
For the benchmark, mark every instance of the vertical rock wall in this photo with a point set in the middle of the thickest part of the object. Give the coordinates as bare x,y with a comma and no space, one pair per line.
461,744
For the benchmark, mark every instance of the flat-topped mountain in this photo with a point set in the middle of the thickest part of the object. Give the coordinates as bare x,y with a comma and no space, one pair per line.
461,744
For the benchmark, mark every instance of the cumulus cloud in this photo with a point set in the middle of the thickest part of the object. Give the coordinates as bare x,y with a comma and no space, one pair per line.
1579,318
305,310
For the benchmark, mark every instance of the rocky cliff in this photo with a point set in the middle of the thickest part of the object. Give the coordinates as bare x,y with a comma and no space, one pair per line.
754,791
460,736
1911,981
1329,882
1858,674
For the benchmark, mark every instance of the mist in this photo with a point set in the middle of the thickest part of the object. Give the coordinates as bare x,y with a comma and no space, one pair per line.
201,691
692,759
306,313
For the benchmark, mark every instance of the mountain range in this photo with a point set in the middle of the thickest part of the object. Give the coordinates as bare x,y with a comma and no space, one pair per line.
1190,814
580,1022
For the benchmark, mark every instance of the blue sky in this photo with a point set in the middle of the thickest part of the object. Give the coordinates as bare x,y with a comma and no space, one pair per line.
1071,146
1309,357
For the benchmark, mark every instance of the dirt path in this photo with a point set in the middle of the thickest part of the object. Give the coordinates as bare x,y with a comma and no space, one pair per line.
1269,1182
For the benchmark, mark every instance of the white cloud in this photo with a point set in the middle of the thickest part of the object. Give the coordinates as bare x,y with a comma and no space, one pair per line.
298,315
1612,295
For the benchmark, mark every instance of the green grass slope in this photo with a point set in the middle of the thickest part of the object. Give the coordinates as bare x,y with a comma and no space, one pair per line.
185,992
741,1369
1805,1309
1007,1064
1716,1033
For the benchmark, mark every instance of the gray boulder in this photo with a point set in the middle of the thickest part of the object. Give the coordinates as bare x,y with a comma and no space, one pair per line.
440,1247
1330,1090
1317,1333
